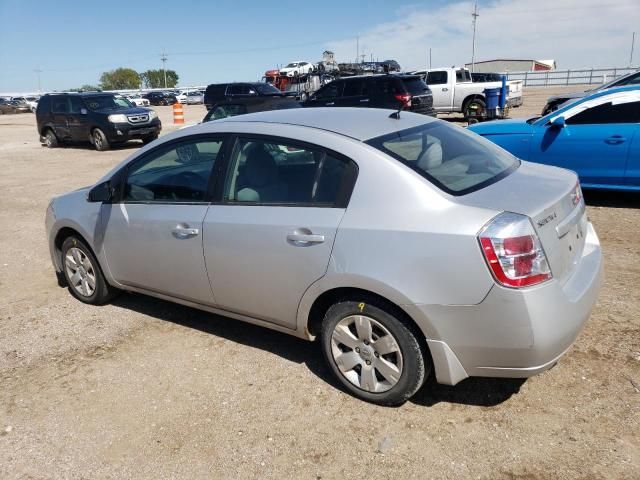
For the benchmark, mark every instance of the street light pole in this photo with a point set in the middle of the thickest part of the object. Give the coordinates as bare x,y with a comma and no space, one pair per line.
475,16
38,72
633,41
164,57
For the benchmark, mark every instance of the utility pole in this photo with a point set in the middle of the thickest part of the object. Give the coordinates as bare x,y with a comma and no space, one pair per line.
164,57
38,72
357,48
475,16
430,58
633,41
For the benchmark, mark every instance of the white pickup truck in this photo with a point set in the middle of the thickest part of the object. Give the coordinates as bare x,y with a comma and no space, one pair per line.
454,91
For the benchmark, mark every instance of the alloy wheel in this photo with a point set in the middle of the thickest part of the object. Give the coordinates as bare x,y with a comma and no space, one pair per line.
366,353
80,272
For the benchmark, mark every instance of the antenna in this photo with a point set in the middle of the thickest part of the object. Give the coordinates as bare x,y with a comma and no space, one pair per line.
163,57
475,16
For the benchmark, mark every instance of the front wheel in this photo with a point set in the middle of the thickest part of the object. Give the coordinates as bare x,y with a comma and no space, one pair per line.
100,140
83,274
373,354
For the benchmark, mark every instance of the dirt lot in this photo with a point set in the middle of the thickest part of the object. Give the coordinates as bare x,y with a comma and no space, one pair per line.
142,388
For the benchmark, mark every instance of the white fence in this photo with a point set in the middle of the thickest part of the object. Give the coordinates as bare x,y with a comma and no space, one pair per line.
569,77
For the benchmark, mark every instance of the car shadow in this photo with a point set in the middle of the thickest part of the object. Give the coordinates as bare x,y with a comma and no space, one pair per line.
484,392
612,199
87,146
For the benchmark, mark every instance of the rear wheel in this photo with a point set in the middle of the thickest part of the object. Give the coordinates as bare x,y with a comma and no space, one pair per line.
50,139
373,354
83,274
100,140
474,108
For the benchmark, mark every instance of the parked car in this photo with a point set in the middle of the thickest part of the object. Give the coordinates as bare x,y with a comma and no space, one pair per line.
160,98
455,92
224,110
250,93
597,136
138,100
12,106
553,103
376,91
405,245
297,69
31,101
194,98
103,119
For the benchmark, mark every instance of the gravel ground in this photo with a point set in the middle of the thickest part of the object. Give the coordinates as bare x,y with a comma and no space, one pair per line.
142,388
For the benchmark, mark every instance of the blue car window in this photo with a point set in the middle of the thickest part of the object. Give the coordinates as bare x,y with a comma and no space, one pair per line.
605,113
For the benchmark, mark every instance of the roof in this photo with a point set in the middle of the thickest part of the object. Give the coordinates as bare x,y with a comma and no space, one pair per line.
358,123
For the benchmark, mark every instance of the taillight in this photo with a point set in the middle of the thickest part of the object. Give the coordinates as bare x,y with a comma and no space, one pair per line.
513,252
404,98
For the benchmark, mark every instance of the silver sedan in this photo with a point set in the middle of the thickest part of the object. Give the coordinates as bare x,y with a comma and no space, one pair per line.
405,245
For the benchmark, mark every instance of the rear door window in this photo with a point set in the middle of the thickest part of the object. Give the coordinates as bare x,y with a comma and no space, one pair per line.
453,159
60,105
332,90
279,172
437,78
352,88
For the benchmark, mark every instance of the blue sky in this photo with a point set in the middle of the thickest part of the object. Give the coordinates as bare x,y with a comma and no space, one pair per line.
73,42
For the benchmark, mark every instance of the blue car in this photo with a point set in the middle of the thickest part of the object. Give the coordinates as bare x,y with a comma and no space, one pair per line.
596,136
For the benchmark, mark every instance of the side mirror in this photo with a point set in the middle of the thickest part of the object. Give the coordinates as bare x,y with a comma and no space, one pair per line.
558,122
100,193
83,111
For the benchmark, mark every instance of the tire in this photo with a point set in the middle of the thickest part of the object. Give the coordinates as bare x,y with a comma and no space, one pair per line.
363,367
476,102
99,140
50,139
83,274
149,139
304,97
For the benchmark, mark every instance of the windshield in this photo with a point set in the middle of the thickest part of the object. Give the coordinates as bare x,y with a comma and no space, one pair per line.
100,102
450,157
266,89
291,65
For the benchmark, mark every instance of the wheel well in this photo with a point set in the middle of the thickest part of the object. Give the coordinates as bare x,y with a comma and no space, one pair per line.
65,233
469,98
43,132
330,297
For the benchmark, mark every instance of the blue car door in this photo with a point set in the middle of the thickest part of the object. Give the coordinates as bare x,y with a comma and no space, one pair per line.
594,142
633,160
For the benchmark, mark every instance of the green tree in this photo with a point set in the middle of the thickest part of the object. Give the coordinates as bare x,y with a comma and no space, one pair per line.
120,79
85,88
155,78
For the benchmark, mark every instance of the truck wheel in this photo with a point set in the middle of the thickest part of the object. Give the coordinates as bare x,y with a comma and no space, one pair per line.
100,140
372,353
473,107
304,96
50,139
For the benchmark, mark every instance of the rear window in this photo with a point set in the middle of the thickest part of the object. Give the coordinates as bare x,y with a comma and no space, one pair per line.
450,157
415,86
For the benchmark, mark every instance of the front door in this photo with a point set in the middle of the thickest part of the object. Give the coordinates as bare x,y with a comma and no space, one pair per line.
440,85
594,143
153,235
272,235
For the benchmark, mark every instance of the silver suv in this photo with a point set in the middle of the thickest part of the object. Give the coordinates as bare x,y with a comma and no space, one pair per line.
405,245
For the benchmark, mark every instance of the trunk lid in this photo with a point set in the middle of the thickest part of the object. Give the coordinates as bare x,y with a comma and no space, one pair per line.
548,196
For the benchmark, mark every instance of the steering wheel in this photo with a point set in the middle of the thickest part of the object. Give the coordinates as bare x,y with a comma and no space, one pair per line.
191,182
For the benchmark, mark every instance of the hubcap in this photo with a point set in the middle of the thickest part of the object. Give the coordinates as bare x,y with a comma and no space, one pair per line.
366,353
80,272
97,140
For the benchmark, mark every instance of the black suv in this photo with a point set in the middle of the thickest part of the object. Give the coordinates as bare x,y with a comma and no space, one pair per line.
99,118
376,91
249,94
160,98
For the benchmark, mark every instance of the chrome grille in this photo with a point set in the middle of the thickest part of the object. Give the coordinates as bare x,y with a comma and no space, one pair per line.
138,118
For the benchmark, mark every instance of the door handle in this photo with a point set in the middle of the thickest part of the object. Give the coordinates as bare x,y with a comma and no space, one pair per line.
445,89
330,104
303,237
364,100
183,230
615,140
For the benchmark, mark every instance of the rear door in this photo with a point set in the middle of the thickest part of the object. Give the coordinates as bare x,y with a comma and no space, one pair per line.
353,94
153,234
441,89
327,95
77,121
594,143
60,116
271,236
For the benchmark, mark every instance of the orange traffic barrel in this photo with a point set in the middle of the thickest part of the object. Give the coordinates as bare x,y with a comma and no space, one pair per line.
178,113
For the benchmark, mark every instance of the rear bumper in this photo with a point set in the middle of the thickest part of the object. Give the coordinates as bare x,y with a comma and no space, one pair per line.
513,333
